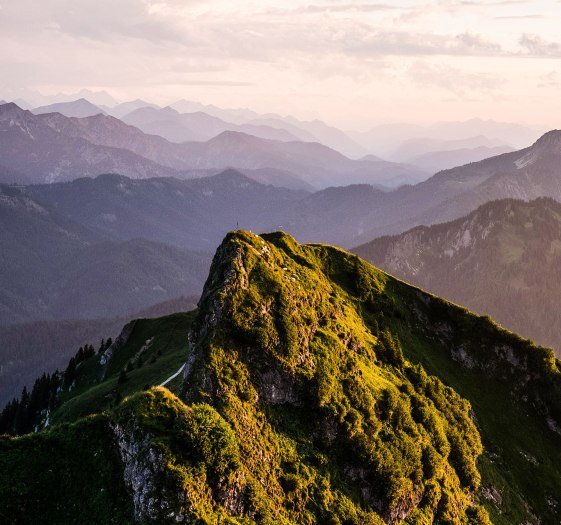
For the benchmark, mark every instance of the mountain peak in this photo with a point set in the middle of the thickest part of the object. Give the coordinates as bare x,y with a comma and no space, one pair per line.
75,108
279,329
296,388
550,141
231,175
285,328
548,144
11,110
235,137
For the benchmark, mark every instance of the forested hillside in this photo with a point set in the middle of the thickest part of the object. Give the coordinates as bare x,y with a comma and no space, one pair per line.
502,260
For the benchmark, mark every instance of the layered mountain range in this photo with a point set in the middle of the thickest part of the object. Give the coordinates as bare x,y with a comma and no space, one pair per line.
307,387
50,147
278,382
194,215
359,214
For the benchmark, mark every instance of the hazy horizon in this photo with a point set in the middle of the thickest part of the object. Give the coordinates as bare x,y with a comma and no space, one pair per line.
355,65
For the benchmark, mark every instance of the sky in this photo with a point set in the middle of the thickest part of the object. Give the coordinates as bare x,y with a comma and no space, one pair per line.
354,64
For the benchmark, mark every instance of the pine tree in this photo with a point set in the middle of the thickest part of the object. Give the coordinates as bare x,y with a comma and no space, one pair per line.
122,377
70,372
7,417
21,419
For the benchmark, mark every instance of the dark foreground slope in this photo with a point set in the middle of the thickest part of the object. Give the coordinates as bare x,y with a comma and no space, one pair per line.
307,398
502,259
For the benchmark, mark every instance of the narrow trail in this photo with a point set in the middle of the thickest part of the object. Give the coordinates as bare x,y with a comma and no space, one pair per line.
172,377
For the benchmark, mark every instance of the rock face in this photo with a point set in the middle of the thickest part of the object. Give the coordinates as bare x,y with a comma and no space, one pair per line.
181,463
144,466
120,340
280,349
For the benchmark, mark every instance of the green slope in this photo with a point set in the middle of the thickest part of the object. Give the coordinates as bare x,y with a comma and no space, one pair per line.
308,399
161,346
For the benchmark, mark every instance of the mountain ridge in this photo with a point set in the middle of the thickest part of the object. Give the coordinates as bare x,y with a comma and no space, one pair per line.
32,147
501,259
310,372
77,108
65,147
56,268
445,196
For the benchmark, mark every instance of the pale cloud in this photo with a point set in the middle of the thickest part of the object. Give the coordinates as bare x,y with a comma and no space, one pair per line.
550,80
298,55
520,17
536,46
454,80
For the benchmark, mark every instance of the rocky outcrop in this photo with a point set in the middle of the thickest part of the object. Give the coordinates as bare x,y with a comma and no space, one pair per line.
119,342
144,472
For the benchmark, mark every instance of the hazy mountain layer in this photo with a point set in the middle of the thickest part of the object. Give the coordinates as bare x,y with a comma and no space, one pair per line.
31,147
435,161
54,268
77,108
196,214
526,174
307,131
52,147
197,126
108,131
193,214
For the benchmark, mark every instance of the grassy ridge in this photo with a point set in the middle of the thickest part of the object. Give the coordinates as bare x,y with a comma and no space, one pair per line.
161,346
318,390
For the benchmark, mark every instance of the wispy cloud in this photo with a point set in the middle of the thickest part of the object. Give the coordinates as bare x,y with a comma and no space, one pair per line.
453,79
536,46
306,53
550,80
519,17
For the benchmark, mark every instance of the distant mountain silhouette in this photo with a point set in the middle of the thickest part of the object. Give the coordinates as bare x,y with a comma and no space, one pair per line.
436,161
76,108
42,154
198,126
385,139
51,147
307,131
526,174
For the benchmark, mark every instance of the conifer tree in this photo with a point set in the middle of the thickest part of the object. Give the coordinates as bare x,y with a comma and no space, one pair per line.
21,420
122,377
